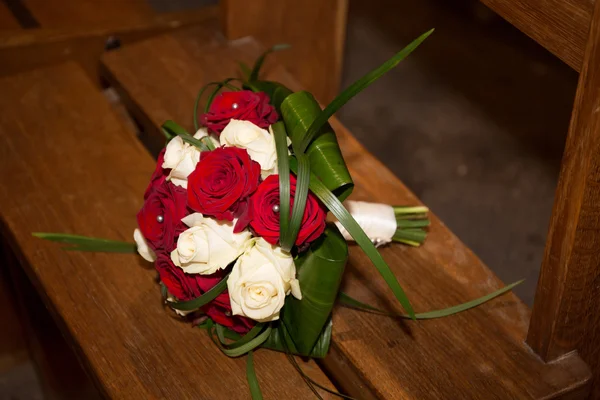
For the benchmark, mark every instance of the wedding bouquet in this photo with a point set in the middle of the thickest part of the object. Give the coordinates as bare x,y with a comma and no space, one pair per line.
235,219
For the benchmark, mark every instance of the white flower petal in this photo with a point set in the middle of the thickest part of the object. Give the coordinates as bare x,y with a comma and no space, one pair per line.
142,246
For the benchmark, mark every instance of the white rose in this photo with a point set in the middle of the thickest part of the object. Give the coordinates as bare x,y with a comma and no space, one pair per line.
142,246
260,280
202,132
259,143
181,158
208,245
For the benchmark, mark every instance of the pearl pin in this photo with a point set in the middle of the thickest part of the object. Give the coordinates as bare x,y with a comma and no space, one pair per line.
160,219
276,208
235,106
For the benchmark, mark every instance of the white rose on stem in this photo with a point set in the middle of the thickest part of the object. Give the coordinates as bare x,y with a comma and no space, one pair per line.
181,158
142,246
208,245
259,143
260,280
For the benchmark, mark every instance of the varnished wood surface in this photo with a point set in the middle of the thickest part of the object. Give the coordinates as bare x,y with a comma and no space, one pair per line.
68,165
7,19
566,313
316,29
476,354
88,13
561,26
33,48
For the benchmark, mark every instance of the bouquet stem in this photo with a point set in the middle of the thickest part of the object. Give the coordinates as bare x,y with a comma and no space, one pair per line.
411,223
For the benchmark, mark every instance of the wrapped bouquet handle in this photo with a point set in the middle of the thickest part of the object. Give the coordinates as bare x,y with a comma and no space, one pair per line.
235,219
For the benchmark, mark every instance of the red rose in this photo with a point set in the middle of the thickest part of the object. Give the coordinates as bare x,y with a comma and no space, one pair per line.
222,181
181,285
189,286
222,316
159,176
244,105
160,216
265,221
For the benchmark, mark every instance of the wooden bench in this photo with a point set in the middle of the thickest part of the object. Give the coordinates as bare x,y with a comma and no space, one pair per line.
477,354
70,165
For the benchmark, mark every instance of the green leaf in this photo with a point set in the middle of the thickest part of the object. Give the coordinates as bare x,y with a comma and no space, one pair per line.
238,342
202,300
175,129
280,336
299,110
349,301
245,70
85,243
356,88
339,211
283,169
319,272
300,197
252,380
259,62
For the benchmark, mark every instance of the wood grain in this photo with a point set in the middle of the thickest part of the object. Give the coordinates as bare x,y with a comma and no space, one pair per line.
561,26
88,13
68,165
316,30
476,354
7,19
565,314
25,50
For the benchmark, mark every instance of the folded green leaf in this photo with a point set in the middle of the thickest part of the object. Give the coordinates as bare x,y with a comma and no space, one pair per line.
348,301
276,341
242,349
298,111
356,88
319,272
252,379
202,300
339,211
259,62
84,243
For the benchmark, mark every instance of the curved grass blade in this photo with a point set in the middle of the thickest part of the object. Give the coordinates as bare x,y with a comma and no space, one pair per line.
283,169
357,87
245,70
218,87
175,129
85,243
300,197
245,348
319,350
198,302
259,62
252,379
349,301
339,211
222,335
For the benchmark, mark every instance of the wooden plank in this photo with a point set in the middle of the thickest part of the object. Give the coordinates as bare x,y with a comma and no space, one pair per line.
70,166
565,313
13,347
88,13
372,357
7,19
29,49
316,30
561,26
